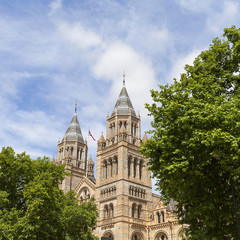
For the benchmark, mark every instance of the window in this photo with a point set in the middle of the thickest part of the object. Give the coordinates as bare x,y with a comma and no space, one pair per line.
133,210
139,211
163,218
158,217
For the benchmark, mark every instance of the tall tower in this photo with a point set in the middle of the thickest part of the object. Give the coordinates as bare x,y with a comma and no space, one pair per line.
72,151
123,183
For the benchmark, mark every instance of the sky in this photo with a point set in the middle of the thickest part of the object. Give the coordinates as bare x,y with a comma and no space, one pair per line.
56,52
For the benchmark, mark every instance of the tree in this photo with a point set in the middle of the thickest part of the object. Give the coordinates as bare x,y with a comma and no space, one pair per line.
33,207
194,149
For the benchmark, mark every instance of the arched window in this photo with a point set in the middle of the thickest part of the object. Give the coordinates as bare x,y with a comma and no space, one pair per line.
135,167
133,210
81,153
140,169
163,218
116,167
161,236
105,166
111,210
139,211
106,214
129,166
111,167
84,194
158,217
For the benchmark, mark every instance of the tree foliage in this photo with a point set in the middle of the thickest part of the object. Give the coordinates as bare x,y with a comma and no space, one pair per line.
33,207
194,149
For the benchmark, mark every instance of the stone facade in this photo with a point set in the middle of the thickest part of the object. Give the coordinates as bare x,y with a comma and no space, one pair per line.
128,210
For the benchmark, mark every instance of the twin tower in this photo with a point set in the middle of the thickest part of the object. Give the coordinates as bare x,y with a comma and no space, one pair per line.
128,210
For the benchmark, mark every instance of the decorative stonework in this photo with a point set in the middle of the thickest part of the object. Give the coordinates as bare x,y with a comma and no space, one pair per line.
123,190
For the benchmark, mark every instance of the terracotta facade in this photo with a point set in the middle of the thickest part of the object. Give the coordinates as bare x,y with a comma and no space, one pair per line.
128,210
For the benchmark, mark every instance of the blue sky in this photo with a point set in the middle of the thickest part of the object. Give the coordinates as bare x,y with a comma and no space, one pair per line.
53,52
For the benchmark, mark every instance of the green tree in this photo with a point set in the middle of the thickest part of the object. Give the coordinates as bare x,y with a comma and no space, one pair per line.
194,149
33,207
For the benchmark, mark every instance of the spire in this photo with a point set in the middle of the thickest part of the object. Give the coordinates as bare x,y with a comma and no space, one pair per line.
76,106
145,138
123,103
101,139
90,161
74,131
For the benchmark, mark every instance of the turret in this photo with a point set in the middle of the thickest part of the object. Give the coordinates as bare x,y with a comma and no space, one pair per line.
90,169
72,150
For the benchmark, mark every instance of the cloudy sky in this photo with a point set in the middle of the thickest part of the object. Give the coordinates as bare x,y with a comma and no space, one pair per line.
54,52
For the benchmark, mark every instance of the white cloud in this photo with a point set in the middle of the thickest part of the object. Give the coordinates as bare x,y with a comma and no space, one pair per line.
196,5
140,76
228,16
180,62
78,35
55,5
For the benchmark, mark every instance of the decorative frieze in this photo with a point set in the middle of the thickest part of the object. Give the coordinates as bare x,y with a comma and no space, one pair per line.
137,192
108,192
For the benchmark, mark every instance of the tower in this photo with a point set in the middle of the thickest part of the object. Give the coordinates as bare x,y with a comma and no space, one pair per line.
72,151
123,183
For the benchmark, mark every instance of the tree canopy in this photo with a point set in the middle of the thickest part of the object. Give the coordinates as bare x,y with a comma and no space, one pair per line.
194,149
33,207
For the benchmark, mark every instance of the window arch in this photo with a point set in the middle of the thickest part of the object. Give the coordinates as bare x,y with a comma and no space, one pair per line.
135,167
134,205
105,212
140,168
161,236
139,210
158,217
108,234
111,210
163,217
84,194
129,165
137,236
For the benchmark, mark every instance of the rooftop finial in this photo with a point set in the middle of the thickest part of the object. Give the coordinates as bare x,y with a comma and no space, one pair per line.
124,78
76,106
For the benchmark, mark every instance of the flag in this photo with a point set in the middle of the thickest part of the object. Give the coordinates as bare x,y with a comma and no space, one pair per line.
90,134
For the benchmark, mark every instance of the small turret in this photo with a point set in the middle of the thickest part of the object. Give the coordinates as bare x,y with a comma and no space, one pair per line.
53,159
90,171
145,138
101,142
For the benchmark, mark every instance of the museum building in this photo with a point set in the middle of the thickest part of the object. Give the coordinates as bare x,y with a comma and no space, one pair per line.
128,210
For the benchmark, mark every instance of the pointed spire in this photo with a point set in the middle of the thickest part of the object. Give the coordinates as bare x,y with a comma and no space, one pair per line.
76,107
145,138
53,159
90,161
123,103
101,139
74,131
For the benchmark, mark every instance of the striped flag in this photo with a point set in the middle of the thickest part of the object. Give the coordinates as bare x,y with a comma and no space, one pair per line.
90,134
